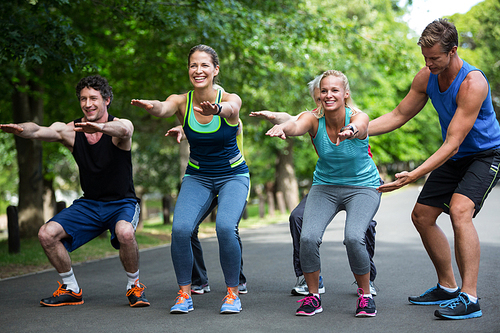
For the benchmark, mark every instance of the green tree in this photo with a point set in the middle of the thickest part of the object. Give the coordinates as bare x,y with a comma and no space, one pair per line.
36,38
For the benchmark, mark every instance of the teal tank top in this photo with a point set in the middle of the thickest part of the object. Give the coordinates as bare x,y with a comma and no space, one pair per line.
346,164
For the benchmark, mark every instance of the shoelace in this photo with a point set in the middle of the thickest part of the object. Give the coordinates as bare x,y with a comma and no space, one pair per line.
137,289
362,301
230,297
60,290
309,300
453,303
182,297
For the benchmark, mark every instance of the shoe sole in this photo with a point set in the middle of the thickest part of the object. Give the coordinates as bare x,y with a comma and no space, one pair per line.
230,311
197,292
366,314
428,303
476,314
62,304
302,313
139,304
180,311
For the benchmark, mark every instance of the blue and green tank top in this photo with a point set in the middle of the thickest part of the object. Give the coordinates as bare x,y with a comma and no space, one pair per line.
213,148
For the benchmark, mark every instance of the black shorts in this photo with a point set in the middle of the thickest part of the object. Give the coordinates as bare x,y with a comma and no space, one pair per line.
472,176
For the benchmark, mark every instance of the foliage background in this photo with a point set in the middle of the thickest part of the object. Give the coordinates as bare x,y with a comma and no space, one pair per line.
269,50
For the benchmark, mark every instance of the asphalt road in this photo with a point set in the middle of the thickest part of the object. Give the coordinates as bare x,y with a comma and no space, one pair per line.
403,269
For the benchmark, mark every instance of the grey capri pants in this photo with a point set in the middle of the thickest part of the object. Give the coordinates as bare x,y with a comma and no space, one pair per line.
323,203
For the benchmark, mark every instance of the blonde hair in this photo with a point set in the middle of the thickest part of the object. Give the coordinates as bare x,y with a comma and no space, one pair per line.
349,103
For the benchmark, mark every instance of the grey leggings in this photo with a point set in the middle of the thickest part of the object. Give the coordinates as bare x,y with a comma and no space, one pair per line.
323,203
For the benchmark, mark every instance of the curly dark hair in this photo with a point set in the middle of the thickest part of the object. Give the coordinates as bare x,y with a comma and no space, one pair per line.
96,82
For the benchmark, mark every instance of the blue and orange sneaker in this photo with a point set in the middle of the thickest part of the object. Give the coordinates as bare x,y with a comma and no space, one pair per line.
183,303
232,303
136,297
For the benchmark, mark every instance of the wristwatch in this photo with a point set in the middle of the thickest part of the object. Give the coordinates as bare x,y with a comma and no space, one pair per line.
351,127
219,107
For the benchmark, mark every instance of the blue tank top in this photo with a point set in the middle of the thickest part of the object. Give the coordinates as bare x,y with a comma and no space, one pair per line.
346,164
213,147
485,134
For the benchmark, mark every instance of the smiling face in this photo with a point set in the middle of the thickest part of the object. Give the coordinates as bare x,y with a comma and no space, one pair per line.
202,70
94,107
333,93
435,59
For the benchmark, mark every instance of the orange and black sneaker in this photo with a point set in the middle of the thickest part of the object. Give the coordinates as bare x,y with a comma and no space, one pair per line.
63,296
136,297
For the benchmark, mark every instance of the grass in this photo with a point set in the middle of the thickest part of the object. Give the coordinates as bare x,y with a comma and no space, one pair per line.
152,234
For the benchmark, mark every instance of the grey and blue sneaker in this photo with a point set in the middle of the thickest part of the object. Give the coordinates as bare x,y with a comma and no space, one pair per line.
242,288
459,308
200,290
373,288
434,295
232,303
183,303
301,288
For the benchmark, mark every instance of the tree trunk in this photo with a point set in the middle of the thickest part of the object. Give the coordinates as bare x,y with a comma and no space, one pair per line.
166,204
286,182
29,107
49,200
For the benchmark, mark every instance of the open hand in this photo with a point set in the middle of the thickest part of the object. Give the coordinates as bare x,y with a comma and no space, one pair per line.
277,130
142,104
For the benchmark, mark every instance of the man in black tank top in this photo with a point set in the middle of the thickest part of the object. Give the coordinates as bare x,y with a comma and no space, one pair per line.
101,145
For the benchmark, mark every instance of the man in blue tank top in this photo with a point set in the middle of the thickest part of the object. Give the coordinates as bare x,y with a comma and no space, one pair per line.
464,169
101,145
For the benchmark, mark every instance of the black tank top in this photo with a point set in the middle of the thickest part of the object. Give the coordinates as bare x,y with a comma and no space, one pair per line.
105,169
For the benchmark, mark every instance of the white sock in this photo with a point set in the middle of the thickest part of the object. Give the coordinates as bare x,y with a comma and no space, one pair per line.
472,298
69,280
132,278
450,290
317,295
367,296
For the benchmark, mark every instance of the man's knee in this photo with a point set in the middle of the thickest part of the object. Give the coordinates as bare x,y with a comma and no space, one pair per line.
50,233
125,232
424,216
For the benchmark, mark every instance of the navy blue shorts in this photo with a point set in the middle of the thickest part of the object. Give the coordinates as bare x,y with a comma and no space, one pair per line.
86,219
473,176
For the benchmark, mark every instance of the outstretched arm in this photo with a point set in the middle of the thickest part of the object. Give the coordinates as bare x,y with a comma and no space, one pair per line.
357,128
305,123
412,104
470,97
274,117
57,132
120,129
229,108
159,109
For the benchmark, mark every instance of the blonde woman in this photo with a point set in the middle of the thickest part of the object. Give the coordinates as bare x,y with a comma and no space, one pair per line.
345,178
